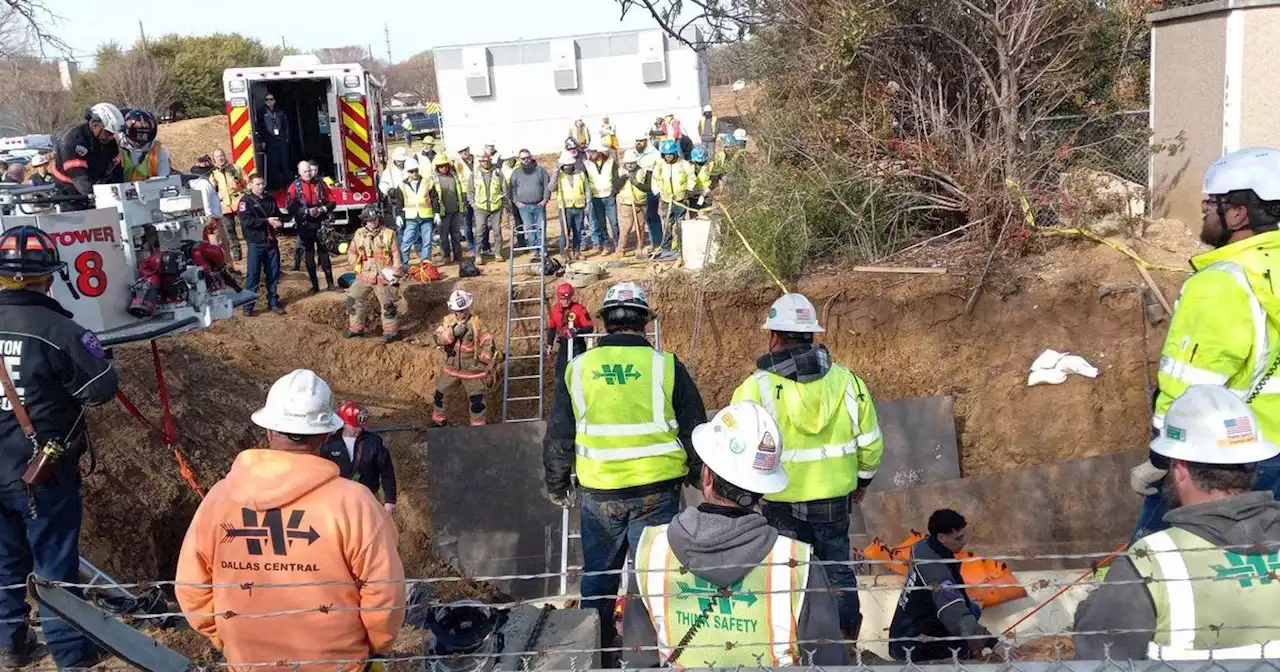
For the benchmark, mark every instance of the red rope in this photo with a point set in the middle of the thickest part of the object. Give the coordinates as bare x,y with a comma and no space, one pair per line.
167,434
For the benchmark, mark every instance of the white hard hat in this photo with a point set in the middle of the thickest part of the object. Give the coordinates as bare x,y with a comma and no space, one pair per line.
39,160
742,445
1252,168
597,147
460,300
706,108
740,134
410,164
627,295
631,156
400,154
389,274
567,159
1212,425
793,313
109,115
299,403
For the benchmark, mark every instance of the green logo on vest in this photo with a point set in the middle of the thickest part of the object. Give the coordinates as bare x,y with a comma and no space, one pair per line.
710,596
1247,568
616,373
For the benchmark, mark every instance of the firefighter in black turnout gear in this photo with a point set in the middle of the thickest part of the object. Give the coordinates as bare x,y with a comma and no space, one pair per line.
56,368
87,154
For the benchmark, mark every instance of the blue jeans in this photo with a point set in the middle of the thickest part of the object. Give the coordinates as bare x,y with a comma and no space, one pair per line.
603,209
533,218
468,228
263,259
415,234
653,216
573,227
830,543
49,545
610,533
1151,516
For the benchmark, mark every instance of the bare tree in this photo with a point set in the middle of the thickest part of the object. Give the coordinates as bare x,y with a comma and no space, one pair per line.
131,79
719,21
24,24
417,75
32,98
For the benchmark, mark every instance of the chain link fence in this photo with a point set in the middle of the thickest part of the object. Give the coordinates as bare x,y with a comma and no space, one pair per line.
1116,143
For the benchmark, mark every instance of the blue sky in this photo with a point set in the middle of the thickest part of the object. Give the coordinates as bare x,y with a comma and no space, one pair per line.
86,24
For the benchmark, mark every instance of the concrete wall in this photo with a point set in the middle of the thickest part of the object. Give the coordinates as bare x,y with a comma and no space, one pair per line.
1260,125
1187,82
526,110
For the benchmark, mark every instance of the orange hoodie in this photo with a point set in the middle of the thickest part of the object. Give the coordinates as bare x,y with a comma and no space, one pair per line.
282,517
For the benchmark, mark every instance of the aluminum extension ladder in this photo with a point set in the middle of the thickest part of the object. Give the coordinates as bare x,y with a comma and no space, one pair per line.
526,305
567,534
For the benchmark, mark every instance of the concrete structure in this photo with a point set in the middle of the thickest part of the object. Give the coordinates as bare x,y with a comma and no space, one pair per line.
1213,77
526,94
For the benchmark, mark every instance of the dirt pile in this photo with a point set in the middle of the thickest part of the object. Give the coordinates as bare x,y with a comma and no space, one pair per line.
190,139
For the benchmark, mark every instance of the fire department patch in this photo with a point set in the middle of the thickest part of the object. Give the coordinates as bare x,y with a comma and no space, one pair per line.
90,342
81,150
242,206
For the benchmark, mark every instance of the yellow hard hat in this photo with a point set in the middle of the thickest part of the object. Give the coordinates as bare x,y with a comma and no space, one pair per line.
441,160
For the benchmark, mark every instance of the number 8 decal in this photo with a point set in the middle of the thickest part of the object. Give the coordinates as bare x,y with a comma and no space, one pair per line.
90,280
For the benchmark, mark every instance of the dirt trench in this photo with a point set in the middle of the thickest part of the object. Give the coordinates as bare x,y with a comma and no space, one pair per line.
904,337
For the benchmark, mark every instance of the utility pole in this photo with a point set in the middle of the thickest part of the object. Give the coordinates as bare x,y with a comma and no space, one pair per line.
143,35
387,30
282,44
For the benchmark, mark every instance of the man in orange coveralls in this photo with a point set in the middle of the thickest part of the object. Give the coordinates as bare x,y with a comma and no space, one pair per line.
470,358
284,515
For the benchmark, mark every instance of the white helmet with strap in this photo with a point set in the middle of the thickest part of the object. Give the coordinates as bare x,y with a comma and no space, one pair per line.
460,300
743,445
1212,425
793,313
627,295
299,403
108,115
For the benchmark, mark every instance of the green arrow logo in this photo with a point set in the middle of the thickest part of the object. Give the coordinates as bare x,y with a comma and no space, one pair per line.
707,592
616,374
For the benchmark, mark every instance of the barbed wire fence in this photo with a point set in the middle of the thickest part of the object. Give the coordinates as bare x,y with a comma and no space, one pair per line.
1006,657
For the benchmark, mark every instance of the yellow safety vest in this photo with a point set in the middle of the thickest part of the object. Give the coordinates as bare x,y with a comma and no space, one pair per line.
417,202
463,170
486,197
626,426
702,177
630,193
1208,600
601,178
136,172
830,433
571,190
508,171
457,186
751,624
672,182
705,131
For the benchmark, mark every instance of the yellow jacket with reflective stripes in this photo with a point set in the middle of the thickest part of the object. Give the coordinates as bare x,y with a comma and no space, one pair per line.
830,434
630,194
673,181
702,178
487,189
571,190
626,431
417,201
759,614
602,177
1224,329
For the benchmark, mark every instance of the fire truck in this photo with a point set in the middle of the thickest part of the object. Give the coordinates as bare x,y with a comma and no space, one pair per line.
333,112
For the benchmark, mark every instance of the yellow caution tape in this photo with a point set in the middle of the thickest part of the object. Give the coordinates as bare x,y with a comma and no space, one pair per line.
1030,218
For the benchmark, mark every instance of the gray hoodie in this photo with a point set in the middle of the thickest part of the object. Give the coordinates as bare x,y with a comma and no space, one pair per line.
713,536
1240,520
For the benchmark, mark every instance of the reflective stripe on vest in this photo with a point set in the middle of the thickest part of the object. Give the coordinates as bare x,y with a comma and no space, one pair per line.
828,451
601,178
486,197
573,190
135,172
624,437
417,202
666,588
1178,604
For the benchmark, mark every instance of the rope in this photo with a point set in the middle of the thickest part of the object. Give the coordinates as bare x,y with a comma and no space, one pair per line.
167,434
1030,218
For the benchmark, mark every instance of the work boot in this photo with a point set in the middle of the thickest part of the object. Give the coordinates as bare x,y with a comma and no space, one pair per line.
480,260
278,310
15,657
248,311
352,334
390,338
315,289
432,424
332,288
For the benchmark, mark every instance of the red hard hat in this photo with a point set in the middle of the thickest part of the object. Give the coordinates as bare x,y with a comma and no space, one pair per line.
564,290
353,414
